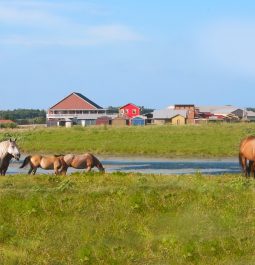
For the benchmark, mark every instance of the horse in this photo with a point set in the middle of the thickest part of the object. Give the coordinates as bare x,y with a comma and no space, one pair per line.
5,163
8,149
85,161
55,162
247,153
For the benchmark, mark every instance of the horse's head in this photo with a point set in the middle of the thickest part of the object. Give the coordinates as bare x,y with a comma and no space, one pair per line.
13,149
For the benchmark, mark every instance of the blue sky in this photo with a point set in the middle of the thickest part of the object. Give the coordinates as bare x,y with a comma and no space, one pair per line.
151,53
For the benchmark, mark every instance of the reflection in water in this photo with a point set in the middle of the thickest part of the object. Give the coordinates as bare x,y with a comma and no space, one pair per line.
155,167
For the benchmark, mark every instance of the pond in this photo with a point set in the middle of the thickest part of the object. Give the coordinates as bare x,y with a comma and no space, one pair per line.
153,166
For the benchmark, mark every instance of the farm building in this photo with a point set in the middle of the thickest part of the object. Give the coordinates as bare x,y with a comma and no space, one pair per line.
138,121
130,110
250,116
225,113
77,108
190,108
170,116
120,121
104,120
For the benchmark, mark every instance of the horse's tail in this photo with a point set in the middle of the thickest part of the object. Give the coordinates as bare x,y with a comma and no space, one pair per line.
25,162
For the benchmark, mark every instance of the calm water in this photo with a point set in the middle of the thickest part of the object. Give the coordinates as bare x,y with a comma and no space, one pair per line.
156,166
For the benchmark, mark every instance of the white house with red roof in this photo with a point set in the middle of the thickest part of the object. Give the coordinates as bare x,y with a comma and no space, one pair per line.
75,108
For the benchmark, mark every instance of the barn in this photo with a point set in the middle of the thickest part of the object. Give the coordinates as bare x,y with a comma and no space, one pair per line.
77,108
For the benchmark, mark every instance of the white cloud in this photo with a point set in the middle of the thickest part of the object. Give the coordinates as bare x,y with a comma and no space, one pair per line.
44,26
230,45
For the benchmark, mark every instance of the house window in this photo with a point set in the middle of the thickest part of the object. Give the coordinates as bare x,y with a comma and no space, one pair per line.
122,111
134,111
126,110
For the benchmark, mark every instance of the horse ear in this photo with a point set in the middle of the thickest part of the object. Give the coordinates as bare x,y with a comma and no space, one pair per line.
10,139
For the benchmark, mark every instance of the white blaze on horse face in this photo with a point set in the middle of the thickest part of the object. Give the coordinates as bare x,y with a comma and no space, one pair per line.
13,150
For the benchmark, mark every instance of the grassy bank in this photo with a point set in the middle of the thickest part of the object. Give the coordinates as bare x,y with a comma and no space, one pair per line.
126,219
164,141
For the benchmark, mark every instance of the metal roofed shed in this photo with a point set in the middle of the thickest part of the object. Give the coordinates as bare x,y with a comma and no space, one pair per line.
138,121
104,120
169,116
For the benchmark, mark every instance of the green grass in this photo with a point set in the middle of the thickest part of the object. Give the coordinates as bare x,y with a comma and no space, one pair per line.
127,219
162,141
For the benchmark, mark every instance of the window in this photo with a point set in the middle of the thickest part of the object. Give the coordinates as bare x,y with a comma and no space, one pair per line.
126,110
133,111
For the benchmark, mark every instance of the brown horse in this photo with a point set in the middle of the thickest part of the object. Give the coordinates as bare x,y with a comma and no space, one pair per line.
85,161
45,162
5,163
247,153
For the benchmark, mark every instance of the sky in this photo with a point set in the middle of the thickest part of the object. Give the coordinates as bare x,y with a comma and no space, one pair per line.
149,53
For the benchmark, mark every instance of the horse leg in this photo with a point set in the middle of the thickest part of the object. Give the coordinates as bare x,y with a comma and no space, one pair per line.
88,169
56,168
249,168
245,167
30,170
252,168
34,170
63,172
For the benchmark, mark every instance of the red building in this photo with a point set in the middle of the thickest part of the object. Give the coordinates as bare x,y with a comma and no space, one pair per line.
130,110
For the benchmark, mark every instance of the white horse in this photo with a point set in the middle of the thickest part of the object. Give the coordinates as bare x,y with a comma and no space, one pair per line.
9,147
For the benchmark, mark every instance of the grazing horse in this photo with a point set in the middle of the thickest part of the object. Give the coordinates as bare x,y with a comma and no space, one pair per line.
8,149
5,163
45,162
247,153
85,161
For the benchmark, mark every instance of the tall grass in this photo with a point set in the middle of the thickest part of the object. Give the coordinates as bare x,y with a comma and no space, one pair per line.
126,219
165,141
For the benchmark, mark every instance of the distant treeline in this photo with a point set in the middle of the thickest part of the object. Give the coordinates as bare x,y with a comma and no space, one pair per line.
24,116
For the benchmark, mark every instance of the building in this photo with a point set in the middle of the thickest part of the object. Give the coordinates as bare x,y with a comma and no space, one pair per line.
250,116
104,120
190,108
130,110
169,116
120,121
138,121
76,108
225,113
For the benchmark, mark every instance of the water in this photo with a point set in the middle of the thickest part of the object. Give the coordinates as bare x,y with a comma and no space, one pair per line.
155,166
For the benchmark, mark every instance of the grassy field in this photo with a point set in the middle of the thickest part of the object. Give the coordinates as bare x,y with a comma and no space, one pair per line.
123,218
127,219
162,141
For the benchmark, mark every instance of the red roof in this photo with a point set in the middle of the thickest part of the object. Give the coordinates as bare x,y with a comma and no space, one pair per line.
6,121
75,101
129,104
